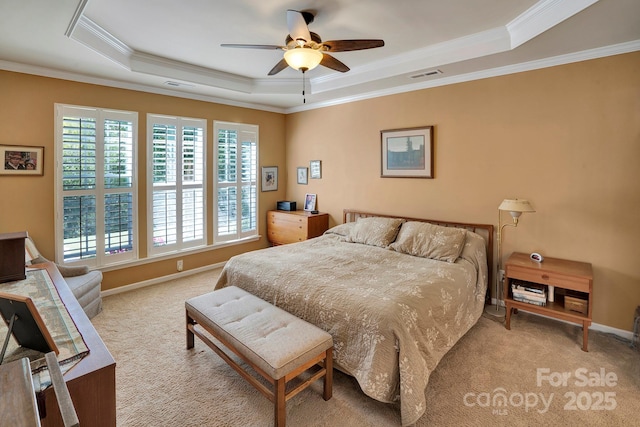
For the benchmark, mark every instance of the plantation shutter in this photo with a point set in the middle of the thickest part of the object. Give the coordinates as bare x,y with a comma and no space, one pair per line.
236,148
177,183
95,190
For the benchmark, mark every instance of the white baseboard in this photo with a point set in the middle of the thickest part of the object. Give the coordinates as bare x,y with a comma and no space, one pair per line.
158,280
628,335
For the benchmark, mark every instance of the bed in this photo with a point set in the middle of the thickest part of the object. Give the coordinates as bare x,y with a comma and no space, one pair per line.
395,293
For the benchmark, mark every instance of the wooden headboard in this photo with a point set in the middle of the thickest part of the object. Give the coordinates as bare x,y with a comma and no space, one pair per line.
483,230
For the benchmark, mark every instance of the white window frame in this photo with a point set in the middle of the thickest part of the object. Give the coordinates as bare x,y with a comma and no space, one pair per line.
247,133
181,243
100,115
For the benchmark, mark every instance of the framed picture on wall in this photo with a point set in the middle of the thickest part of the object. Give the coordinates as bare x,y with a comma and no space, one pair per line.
302,176
21,160
315,169
269,178
407,153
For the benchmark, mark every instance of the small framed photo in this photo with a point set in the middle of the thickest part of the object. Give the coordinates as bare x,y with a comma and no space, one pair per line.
269,178
407,153
309,202
315,169
22,160
302,175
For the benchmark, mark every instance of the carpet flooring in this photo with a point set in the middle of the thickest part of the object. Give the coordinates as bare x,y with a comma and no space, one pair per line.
534,374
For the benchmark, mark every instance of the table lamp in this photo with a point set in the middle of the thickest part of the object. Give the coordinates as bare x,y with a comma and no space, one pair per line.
515,207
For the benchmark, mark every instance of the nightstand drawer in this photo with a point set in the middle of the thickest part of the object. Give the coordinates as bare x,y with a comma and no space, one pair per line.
549,278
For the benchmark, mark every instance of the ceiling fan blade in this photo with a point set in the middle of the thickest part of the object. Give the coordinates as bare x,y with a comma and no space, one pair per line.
279,67
254,46
331,62
297,26
347,45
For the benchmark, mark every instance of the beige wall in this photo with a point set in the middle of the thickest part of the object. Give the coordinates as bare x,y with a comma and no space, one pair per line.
27,118
566,138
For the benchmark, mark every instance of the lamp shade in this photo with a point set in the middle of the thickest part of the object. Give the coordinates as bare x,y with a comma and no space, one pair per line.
303,58
516,205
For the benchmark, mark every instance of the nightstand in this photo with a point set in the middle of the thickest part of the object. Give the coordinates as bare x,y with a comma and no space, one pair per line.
295,226
568,284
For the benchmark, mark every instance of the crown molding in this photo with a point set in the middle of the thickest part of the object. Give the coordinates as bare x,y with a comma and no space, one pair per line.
586,55
618,49
537,19
542,16
164,67
81,78
77,15
468,47
96,38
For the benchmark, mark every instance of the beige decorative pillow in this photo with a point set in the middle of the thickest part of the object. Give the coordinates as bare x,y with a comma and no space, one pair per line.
375,231
341,229
474,249
430,241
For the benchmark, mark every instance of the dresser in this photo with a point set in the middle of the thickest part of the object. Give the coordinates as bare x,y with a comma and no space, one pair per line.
563,281
295,226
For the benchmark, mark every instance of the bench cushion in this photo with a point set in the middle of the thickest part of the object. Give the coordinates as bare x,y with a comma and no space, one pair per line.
271,338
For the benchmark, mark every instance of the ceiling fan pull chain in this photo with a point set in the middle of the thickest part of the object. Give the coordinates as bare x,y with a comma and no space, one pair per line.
304,99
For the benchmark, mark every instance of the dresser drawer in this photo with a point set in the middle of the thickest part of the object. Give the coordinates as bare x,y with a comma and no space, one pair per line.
279,219
283,230
549,278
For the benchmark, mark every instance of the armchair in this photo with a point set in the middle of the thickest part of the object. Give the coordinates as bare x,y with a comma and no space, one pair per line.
84,284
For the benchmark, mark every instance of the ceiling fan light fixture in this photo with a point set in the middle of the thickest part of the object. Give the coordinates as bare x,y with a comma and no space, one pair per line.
303,58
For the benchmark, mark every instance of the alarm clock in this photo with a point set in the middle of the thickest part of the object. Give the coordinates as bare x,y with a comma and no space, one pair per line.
536,257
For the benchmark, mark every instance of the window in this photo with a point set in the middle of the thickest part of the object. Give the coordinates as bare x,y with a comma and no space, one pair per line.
96,188
176,183
235,178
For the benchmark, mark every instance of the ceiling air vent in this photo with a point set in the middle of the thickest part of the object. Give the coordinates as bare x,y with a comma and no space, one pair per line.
177,84
426,74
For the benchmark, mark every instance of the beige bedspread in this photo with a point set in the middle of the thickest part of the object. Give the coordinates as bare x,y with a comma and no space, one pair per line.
392,316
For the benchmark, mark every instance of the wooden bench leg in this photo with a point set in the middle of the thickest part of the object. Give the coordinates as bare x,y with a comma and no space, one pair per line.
190,321
281,402
328,376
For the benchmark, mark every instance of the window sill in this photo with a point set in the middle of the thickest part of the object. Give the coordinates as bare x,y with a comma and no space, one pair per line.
171,255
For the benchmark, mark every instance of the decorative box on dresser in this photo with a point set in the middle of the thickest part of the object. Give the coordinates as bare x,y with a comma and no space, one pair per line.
568,284
295,226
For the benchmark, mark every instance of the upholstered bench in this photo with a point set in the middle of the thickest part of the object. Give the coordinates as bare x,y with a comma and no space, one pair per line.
275,343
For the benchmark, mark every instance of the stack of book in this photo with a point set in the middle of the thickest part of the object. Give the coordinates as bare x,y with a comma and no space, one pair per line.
529,293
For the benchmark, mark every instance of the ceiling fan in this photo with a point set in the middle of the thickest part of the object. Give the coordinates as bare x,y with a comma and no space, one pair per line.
305,50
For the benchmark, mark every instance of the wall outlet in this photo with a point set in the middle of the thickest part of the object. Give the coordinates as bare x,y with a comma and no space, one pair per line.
500,275
180,265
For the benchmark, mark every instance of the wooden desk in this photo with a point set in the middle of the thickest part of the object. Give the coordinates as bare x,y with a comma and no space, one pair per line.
91,382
